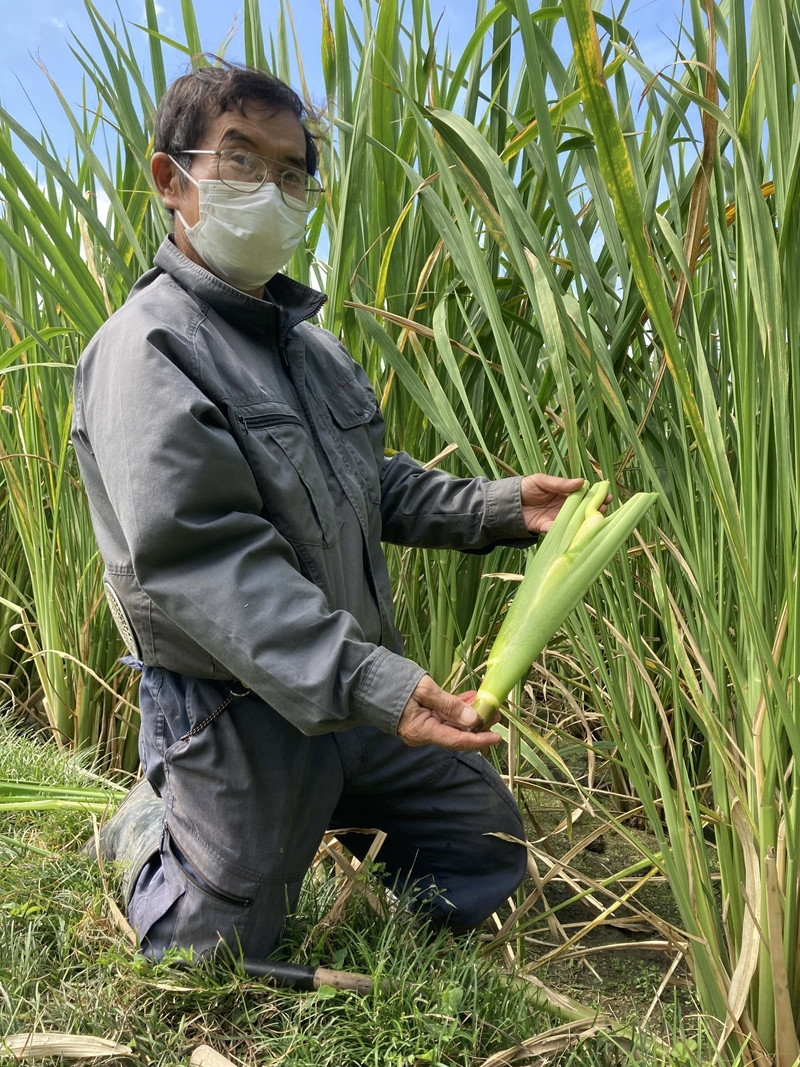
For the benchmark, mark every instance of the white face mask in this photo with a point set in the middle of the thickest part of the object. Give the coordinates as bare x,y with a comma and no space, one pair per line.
246,234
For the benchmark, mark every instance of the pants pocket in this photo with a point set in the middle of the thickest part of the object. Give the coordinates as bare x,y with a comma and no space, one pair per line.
154,904
196,910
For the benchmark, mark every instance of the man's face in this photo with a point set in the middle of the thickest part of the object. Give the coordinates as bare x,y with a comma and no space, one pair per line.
276,135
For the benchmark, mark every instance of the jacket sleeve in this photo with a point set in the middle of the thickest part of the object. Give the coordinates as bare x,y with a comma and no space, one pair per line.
159,456
432,509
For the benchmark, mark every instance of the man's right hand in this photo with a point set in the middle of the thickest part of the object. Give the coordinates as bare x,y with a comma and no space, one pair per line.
435,717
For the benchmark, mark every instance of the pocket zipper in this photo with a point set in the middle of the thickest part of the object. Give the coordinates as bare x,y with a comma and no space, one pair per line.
201,884
263,422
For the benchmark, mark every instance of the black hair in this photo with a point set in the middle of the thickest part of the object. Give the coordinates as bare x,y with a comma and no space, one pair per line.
193,100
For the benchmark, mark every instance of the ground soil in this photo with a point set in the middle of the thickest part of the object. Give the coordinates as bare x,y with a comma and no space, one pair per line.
617,965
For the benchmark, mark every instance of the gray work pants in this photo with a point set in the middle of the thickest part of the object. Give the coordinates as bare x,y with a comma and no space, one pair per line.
248,798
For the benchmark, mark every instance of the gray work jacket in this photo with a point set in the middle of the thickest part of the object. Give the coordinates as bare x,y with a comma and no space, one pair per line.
234,462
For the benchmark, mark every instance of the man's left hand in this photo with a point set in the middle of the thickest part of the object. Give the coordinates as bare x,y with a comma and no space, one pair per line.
542,496
435,717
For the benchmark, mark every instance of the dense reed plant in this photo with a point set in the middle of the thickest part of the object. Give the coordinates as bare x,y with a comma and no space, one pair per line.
60,660
541,267
716,707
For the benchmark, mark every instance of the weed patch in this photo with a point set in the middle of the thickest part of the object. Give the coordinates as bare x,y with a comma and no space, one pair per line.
66,965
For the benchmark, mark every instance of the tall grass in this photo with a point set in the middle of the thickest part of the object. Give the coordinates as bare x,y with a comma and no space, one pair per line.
539,271
724,576
52,299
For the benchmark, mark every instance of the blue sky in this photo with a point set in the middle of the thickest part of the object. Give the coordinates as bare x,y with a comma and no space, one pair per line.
41,28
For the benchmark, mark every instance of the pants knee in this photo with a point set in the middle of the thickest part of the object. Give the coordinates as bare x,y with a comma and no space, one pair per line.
480,880
181,905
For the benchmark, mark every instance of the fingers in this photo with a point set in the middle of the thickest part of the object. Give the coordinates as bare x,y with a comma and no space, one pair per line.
423,728
444,705
459,740
551,485
542,496
434,717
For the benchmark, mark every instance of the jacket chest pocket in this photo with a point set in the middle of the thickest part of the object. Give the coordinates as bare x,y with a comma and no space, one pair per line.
280,453
352,409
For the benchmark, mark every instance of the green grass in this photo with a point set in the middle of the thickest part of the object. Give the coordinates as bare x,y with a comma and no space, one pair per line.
65,965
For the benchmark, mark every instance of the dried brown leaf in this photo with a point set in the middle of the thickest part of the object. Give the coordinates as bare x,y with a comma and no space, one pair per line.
71,1046
206,1056
553,1041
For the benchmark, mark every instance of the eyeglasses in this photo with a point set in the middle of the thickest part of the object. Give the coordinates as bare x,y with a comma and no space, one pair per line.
298,189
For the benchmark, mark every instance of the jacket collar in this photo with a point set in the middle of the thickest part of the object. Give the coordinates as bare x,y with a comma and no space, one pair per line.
293,301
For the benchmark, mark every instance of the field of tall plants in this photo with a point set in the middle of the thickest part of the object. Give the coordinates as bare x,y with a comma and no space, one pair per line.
547,257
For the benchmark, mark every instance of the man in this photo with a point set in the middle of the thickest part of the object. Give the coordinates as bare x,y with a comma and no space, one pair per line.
234,462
